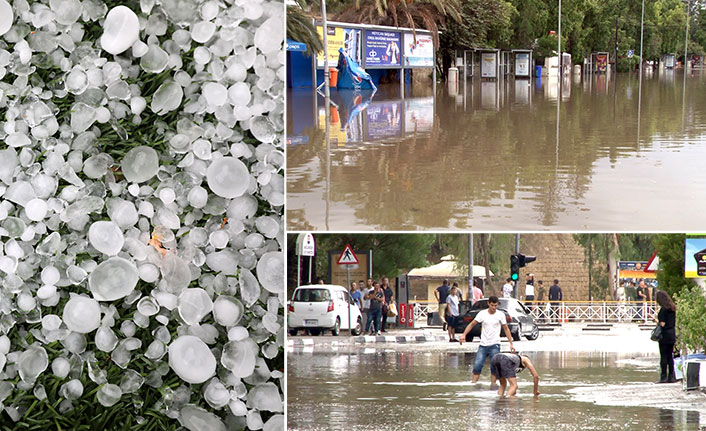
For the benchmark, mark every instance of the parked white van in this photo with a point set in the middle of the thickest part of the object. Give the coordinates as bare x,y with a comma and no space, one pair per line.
319,307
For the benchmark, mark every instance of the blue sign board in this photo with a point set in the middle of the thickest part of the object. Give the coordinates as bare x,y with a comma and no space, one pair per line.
384,120
382,49
295,46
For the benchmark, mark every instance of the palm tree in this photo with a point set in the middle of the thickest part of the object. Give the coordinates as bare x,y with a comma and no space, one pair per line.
300,26
428,14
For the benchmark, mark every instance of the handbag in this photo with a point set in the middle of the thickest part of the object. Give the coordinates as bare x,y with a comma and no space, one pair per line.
385,308
392,312
656,334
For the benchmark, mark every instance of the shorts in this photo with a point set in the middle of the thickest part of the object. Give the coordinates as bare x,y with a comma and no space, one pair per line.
502,366
452,321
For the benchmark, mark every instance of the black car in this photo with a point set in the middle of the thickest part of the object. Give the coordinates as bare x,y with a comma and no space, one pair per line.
519,320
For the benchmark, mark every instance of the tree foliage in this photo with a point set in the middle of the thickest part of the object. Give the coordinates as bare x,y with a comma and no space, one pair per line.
691,319
670,276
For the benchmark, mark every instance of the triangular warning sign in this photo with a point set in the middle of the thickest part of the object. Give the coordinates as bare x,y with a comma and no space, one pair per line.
347,256
653,264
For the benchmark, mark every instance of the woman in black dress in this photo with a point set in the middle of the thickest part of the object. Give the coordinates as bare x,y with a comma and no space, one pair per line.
666,318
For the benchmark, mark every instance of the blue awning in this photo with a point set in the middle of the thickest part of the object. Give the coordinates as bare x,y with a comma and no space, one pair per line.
295,46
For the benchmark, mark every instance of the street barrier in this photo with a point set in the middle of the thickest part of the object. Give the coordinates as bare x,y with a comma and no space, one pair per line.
403,314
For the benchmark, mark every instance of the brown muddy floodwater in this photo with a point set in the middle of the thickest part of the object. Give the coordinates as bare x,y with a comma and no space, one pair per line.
422,391
492,155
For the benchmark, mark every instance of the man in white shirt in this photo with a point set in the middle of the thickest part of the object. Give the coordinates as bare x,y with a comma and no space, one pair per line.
452,306
508,288
492,321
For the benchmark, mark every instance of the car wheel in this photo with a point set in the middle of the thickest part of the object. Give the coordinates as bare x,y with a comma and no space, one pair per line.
292,332
534,334
469,337
336,327
516,335
315,331
358,327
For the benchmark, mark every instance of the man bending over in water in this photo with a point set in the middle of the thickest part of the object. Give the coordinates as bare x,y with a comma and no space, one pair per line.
506,366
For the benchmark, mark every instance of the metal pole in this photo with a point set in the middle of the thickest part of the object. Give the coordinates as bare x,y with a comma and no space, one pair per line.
299,270
470,267
350,324
327,95
561,57
686,62
639,86
517,251
311,261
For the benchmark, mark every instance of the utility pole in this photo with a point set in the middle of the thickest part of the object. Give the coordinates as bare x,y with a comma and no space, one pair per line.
517,248
470,265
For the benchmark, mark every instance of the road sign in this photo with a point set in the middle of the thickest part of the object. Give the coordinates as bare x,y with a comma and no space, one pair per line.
653,264
306,246
630,53
347,256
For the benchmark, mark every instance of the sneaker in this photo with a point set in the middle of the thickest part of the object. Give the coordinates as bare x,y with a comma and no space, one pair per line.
378,333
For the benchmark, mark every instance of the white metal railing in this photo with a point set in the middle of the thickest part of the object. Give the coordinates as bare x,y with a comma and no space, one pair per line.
567,311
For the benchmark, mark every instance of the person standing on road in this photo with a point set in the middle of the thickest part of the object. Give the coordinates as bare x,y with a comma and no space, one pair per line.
366,302
389,294
640,299
452,302
492,321
508,288
376,297
356,295
477,293
666,318
507,366
441,293
529,291
555,295
540,299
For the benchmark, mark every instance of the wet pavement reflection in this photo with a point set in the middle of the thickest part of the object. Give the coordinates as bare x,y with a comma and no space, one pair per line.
376,390
512,154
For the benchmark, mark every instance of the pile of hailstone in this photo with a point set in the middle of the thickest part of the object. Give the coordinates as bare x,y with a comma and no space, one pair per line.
141,196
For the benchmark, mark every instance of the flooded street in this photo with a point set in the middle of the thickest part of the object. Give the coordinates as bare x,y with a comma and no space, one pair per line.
492,155
376,389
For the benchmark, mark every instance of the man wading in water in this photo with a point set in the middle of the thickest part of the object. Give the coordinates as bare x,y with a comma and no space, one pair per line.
506,366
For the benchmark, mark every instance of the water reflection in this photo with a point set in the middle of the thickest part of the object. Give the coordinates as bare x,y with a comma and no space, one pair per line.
487,154
432,390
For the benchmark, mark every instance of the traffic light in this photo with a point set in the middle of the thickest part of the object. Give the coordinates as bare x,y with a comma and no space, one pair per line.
515,267
517,261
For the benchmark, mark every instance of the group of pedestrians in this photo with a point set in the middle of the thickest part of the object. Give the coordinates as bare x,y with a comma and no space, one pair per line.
449,299
374,298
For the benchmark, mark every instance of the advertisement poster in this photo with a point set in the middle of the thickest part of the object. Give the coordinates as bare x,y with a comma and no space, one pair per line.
695,258
382,49
601,63
384,120
418,115
634,269
419,52
522,66
338,37
488,62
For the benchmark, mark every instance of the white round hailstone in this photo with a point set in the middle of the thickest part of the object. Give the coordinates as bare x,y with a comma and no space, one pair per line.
46,291
193,305
270,271
236,72
82,314
202,31
198,197
113,279
106,237
239,94
36,209
26,302
227,310
60,367
109,394
137,105
50,275
140,164
121,29
215,93
237,333
51,322
148,272
167,195
201,149
5,344
219,239
228,177
209,10
191,359
102,115
6,17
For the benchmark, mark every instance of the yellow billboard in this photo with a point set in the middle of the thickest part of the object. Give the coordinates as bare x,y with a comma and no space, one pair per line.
339,37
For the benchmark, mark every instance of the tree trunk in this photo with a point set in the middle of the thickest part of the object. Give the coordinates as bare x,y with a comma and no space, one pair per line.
485,258
613,256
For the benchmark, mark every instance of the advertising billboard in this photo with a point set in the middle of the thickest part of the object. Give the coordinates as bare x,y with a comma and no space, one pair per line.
695,258
418,115
419,51
522,66
339,37
382,49
488,65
